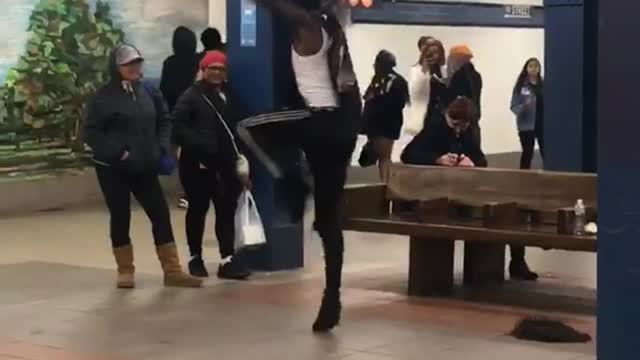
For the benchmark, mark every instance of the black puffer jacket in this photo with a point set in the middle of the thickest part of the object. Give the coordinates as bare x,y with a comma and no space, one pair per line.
199,130
135,121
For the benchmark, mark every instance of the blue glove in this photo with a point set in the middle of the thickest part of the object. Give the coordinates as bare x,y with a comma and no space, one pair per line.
167,165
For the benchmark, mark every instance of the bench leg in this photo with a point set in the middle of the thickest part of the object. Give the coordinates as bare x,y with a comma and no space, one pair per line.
431,266
483,264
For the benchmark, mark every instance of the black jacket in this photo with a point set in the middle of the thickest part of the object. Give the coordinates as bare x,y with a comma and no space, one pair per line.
438,139
199,131
119,121
467,82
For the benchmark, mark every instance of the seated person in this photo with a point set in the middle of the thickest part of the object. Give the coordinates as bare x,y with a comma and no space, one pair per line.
447,140
450,141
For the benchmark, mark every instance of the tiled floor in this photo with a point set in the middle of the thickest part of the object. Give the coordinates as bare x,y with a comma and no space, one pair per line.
57,301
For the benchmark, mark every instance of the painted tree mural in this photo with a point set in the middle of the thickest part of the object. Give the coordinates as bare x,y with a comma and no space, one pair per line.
64,62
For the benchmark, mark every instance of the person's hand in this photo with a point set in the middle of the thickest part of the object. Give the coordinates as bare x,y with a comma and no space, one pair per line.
125,156
529,103
465,161
245,180
446,160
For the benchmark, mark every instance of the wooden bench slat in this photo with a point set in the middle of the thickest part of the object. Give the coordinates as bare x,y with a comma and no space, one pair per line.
544,240
538,190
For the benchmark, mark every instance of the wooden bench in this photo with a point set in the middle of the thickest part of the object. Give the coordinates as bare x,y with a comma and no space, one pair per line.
485,208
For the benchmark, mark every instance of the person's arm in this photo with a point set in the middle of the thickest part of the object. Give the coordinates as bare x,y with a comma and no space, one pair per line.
163,120
477,155
184,134
518,103
289,10
418,85
421,150
95,123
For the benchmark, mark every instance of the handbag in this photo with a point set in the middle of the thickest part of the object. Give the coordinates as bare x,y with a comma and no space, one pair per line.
248,224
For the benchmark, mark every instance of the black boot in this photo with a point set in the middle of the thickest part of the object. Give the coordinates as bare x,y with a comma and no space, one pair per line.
197,268
519,270
329,314
233,270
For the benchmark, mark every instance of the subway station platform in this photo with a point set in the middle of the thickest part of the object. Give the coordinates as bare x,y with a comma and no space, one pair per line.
58,302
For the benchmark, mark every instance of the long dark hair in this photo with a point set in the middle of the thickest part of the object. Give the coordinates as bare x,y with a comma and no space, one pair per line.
524,75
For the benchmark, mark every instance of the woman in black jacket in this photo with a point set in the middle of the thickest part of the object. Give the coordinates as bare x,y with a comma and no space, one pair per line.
128,129
211,166
385,100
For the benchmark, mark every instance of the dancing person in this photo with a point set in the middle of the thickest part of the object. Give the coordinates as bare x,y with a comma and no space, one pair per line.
128,130
212,169
385,99
322,120
178,74
527,103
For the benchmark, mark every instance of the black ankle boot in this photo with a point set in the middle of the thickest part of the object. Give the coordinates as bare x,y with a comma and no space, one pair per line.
519,270
197,268
329,314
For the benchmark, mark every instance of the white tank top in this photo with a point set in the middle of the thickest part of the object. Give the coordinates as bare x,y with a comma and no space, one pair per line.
314,78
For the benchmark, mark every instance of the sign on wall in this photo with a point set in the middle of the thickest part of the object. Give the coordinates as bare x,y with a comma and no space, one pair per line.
248,23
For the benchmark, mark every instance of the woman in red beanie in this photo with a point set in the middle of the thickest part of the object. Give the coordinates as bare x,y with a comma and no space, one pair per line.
211,167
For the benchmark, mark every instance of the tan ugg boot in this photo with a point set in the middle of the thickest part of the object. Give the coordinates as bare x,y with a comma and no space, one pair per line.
173,274
126,269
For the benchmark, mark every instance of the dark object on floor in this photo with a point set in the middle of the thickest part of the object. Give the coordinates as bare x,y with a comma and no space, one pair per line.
368,155
519,271
547,330
234,269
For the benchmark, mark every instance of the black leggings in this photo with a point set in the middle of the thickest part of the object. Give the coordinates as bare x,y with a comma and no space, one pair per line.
117,187
203,186
328,143
528,141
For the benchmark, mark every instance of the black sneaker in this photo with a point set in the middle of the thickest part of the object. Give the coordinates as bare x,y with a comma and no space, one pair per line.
519,270
329,314
233,270
197,268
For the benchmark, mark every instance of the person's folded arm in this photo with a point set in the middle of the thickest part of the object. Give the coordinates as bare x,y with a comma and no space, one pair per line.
421,150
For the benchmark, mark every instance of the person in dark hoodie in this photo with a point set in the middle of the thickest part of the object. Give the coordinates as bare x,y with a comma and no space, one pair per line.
211,40
128,129
321,118
447,140
465,80
179,71
212,169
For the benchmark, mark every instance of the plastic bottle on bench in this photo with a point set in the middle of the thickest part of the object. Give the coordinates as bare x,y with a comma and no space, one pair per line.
580,214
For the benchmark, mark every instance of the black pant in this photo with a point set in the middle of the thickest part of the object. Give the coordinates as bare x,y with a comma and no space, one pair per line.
203,186
117,187
328,143
528,141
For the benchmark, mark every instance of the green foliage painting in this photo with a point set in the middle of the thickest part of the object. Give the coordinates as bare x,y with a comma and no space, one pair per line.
43,98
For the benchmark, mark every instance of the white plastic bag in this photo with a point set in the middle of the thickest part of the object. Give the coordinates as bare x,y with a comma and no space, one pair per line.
249,229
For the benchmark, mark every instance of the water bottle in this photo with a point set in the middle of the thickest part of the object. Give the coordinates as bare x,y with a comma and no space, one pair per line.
580,214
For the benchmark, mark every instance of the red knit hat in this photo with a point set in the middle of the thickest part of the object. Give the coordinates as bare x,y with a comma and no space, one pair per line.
214,57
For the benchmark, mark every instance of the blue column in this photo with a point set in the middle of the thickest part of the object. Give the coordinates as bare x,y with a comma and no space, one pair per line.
256,43
570,103
619,181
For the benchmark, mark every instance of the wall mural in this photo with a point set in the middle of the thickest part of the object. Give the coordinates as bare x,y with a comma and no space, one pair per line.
53,57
